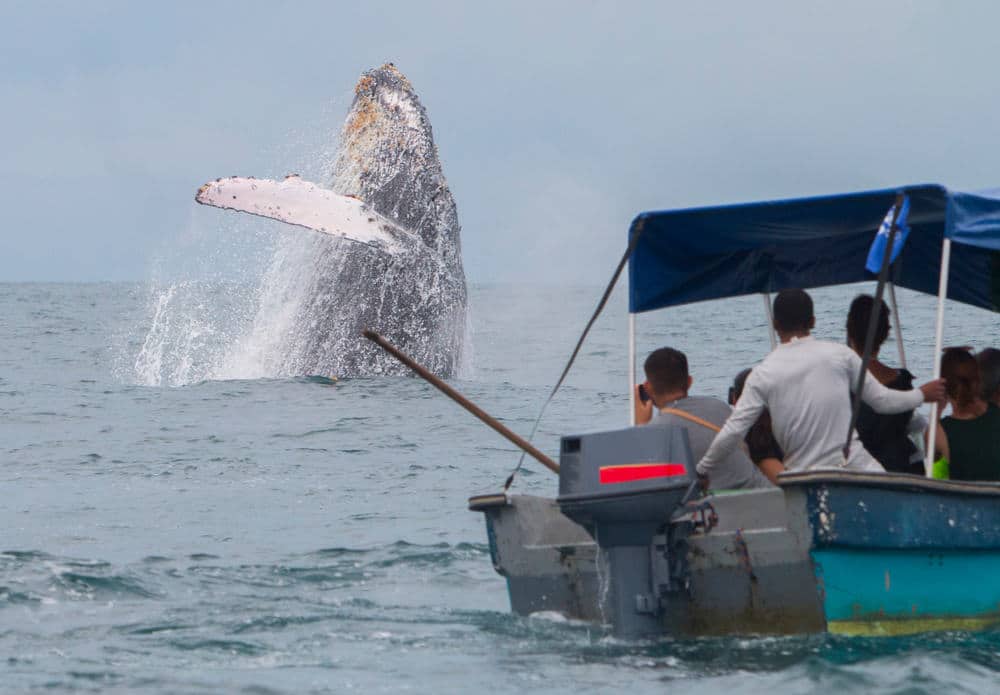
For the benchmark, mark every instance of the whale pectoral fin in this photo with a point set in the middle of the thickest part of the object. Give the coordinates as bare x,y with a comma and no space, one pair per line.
308,205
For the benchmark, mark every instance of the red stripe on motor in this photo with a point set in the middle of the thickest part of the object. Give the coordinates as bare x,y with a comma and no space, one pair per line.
640,471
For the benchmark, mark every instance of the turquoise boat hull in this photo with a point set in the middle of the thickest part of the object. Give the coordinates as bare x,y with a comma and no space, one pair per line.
892,592
898,555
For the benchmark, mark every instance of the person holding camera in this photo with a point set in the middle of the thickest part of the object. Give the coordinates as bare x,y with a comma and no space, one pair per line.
663,399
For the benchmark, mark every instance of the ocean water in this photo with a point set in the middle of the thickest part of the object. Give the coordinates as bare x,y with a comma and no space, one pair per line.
302,535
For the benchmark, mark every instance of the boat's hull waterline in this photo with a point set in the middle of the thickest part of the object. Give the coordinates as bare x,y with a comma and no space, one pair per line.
846,553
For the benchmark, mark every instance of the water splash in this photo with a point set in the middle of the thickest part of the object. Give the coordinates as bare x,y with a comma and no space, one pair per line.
264,349
603,581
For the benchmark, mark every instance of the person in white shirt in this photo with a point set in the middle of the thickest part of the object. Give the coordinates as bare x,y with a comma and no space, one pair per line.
806,385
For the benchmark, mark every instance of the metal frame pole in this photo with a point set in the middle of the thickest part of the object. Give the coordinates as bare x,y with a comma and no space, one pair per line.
938,346
631,368
770,319
869,351
898,324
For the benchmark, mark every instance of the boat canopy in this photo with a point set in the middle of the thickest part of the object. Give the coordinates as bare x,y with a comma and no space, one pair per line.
696,254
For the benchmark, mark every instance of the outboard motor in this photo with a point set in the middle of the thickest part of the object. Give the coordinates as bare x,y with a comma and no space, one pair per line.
623,487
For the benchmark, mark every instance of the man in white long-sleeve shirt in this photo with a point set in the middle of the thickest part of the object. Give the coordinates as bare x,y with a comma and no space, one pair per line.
806,385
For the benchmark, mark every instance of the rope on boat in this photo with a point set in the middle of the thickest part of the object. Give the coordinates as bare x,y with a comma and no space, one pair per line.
636,234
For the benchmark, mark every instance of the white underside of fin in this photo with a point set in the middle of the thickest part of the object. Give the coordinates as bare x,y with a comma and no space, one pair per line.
308,205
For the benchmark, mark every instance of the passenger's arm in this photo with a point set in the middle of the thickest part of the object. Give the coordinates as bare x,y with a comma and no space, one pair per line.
882,399
744,415
771,467
941,447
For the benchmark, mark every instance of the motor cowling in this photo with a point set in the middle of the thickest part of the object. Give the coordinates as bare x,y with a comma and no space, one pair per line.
623,486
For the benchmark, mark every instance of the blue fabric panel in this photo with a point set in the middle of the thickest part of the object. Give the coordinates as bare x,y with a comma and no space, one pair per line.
698,254
974,218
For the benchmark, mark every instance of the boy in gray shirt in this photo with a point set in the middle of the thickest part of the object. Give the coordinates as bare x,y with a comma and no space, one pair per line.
667,403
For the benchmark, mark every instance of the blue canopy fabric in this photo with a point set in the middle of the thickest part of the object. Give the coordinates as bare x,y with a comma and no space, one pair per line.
697,254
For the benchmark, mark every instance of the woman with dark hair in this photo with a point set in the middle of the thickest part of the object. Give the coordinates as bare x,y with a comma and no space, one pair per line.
989,372
886,437
973,428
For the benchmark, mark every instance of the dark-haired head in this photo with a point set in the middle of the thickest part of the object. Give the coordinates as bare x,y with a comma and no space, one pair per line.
667,371
989,373
858,318
793,312
736,390
961,372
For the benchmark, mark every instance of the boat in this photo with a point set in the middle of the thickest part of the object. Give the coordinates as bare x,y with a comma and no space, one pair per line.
628,541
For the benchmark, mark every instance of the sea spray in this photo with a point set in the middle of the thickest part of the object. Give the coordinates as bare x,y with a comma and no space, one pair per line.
192,326
266,348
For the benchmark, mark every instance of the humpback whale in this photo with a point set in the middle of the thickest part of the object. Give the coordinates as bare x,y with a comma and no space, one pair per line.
388,253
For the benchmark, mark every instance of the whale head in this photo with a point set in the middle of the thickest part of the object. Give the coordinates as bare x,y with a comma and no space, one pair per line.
388,159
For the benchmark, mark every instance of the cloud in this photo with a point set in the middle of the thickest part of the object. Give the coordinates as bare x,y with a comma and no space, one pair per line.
553,120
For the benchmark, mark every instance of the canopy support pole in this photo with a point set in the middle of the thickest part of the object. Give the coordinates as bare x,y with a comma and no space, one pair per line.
869,351
938,346
631,368
770,319
898,324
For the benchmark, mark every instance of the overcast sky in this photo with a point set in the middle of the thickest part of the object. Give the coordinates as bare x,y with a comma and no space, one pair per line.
556,122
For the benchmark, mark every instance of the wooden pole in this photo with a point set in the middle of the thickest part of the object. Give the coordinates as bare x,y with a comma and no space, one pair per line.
454,395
